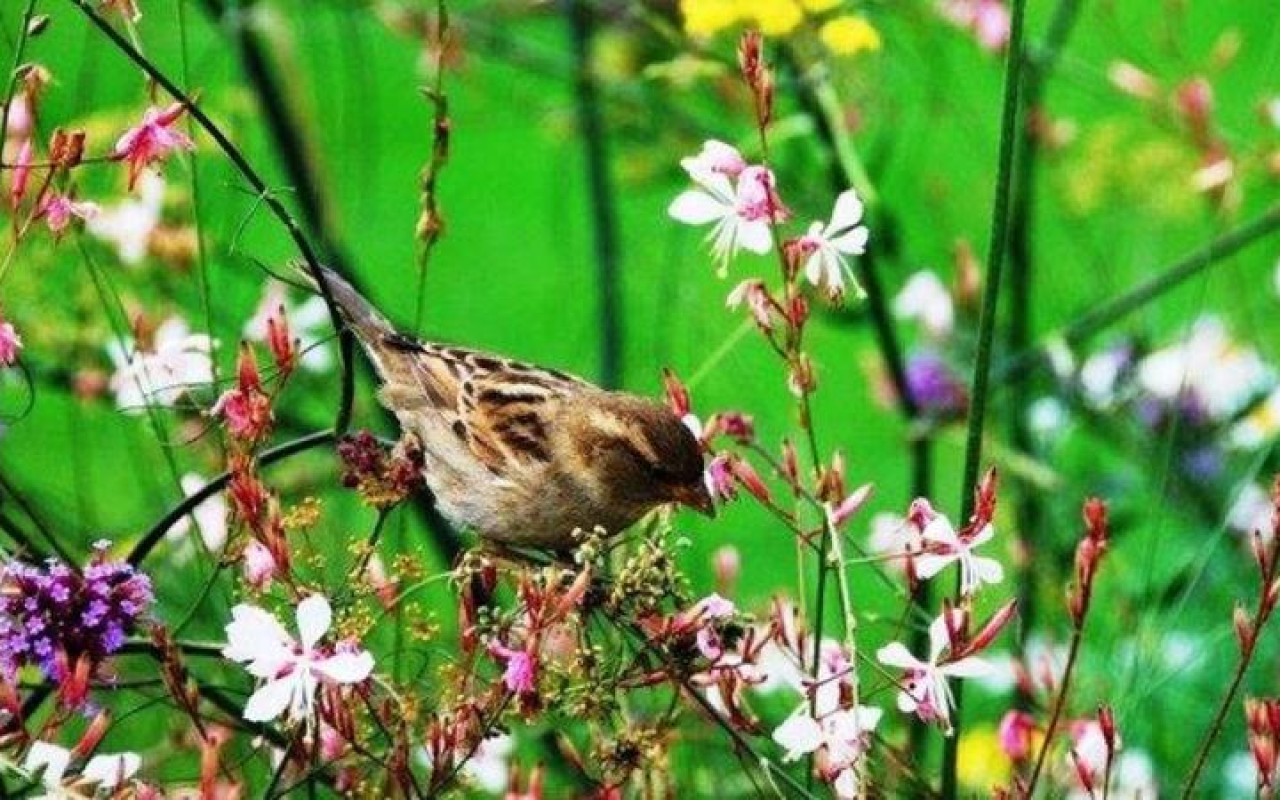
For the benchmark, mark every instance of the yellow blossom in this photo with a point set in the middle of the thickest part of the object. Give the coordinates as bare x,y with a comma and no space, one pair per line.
818,6
850,35
774,17
980,763
708,17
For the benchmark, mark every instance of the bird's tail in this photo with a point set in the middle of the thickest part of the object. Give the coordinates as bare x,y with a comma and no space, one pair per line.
371,329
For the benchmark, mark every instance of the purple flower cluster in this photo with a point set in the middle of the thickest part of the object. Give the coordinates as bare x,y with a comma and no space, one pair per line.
57,609
935,387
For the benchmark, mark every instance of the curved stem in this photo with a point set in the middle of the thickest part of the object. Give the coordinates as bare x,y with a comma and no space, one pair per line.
153,536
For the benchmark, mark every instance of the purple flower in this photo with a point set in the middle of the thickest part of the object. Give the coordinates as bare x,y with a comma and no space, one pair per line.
935,387
58,611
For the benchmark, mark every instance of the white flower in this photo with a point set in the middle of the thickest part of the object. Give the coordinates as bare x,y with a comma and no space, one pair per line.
308,321
974,570
1100,375
292,670
210,515
1251,511
828,245
843,733
105,771
893,538
488,765
1047,417
925,299
742,213
1220,373
128,224
179,361
924,690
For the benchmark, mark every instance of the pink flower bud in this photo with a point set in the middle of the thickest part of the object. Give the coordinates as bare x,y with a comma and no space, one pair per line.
727,564
677,394
259,566
750,479
1132,81
1243,628
21,173
1016,728
851,505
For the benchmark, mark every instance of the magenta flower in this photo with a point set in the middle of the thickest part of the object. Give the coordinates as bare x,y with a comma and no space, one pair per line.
56,615
57,210
520,675
10,343
152,140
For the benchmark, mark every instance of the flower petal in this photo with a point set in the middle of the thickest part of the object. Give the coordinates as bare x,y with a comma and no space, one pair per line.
930,564
896,654
109,771
346,667
696,207
48,757
314,618
755,236
257,637
800,734
272,699
846,213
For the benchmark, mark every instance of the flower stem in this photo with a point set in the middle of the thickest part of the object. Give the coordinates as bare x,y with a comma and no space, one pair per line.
986,321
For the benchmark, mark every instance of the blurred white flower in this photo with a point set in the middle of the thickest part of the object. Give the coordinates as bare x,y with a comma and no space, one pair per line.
489,766
292,670
308,320
1047,417
128,224
51,761
178,361
210,516
1220,373
1100,375
1251,511
1259,426
926,300
893,538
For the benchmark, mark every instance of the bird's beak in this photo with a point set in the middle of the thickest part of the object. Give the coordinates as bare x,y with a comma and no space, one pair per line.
696,497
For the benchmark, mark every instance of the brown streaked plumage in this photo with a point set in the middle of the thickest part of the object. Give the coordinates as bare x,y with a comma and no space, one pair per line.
522,454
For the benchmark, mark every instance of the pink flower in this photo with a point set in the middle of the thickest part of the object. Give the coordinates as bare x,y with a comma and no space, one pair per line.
825,246
742,213
259,566
715,157
10,343
21,173
245,410
152,140
1016,728
58,209
991,25
719,478
759,303
843,736
1089,752
924,690
520,675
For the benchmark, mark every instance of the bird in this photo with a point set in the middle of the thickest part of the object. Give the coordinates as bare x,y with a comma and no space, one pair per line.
523,455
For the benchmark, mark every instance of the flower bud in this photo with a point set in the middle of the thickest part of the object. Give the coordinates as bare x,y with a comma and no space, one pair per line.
1243,628
750,479
1132,81
284,348
727,564
677,394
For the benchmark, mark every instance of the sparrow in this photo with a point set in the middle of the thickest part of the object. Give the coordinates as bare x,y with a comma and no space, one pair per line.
524,455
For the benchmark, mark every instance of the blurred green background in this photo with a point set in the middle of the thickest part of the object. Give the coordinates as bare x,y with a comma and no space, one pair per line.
514,273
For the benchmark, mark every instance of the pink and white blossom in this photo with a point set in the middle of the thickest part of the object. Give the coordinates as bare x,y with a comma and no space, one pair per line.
309,319
177,362
742,210
826,245
943,547
57,211
152,140
843,736
923,689
292,670
10,343
716,157
258,565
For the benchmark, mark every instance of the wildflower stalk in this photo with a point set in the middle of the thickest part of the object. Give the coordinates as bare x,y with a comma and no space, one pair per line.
268,197
986,324
19,51
1079,600
430,222
603,212
1248,632
1029,508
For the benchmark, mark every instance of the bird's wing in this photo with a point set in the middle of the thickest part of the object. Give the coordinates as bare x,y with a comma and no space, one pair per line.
501,409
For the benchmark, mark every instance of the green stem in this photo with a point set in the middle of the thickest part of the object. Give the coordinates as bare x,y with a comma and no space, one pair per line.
986,323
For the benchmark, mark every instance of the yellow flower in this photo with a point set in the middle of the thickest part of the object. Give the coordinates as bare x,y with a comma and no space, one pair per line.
708,17
980,763
774,17
818,6
848,36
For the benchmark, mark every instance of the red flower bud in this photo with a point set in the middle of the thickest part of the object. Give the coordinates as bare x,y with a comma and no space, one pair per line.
677,394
